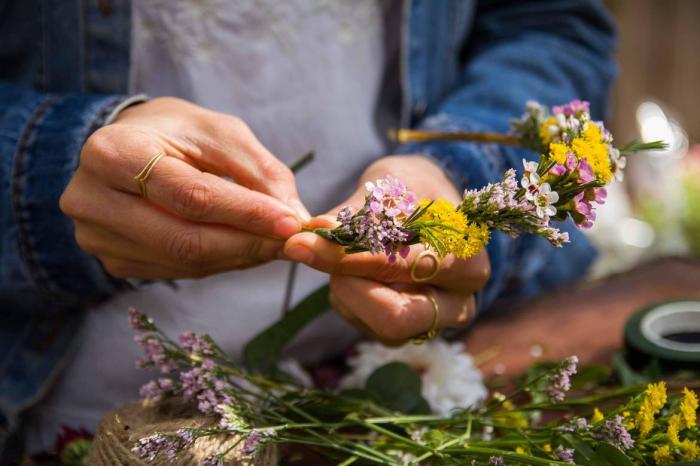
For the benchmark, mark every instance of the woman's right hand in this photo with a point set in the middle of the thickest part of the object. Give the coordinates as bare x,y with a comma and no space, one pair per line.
194,222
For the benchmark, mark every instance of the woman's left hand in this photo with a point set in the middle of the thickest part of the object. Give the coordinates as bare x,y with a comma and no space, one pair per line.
382,298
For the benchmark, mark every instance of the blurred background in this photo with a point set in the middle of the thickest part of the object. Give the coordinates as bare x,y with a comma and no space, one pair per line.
656,211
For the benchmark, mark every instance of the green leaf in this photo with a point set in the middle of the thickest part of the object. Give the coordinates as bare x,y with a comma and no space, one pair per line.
263,351
638,146
607,454
396,386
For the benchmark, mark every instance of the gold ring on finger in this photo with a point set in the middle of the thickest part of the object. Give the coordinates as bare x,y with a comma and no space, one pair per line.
433,332
142,177
436,266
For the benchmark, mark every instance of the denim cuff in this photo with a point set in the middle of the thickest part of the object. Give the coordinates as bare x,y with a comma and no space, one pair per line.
47,155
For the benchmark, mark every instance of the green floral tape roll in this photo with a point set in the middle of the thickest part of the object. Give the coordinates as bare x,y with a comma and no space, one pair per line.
668,333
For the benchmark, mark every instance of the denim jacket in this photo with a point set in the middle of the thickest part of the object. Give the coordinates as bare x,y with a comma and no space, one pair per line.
64,69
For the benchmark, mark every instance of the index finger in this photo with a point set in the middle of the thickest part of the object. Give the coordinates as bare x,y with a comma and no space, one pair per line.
198,196
465,276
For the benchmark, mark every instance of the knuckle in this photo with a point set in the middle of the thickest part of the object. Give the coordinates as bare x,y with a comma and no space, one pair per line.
276,170
394,327
186,247
252,250
193,199
101,145
389,273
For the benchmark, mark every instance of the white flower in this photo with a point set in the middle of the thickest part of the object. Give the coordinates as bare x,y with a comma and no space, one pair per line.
543,201
449,378
531,179
617,163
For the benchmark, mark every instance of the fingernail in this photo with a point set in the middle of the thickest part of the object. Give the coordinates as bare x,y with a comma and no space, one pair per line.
300,254
299,209
286,227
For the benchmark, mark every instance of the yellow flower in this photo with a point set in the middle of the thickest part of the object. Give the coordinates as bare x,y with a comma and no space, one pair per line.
689,406
597,416
596,154
592,133
544,129
654,399
447,230
547,448
663,455
675,425
520,450
558,151
690,449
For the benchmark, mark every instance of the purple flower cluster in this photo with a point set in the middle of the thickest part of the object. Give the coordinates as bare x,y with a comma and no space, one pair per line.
155,353
573,108
565,454
614,431
578,424
139,321
496,461
203,385
378,226
148,448
195,344
559,382
156,389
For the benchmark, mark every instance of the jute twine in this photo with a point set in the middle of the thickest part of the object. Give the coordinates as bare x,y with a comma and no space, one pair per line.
120,429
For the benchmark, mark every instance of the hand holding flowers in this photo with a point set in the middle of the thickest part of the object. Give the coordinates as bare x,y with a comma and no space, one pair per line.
377,295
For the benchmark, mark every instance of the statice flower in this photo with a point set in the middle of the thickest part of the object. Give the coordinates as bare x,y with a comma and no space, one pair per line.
564,454
155,353
195,344
156,389
496,461
148,448
578,424
139,321
559,382
202,385
614,431
379,226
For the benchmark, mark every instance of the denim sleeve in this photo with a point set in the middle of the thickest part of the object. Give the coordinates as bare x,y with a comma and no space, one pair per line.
42,269
551,51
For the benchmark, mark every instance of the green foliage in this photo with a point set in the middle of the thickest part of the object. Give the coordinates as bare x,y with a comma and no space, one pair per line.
397,387
263,351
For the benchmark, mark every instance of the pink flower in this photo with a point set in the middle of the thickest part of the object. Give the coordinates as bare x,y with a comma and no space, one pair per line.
583,213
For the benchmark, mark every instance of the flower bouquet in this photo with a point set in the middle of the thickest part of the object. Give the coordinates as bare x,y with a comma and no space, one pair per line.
389,420
577,160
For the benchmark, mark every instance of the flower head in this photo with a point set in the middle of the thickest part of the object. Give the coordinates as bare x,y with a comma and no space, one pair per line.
653,400
564,454
688,408
615,432
139,321
448,231
559,381
450,380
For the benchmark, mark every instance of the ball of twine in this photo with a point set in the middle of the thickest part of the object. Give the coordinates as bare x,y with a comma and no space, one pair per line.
120,429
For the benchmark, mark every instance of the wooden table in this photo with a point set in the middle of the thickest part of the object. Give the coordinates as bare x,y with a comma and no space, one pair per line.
586,319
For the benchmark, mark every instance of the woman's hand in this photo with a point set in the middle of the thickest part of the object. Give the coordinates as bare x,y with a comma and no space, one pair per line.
382,298
194,222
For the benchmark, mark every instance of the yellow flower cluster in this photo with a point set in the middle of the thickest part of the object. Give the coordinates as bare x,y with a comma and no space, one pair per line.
544,129
448,230
589,145
654,399
689,407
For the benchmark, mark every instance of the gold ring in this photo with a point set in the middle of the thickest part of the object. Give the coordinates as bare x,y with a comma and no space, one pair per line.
432,333
432,274
142,177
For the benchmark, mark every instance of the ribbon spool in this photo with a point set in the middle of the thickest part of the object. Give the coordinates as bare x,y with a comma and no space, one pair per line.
668,333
